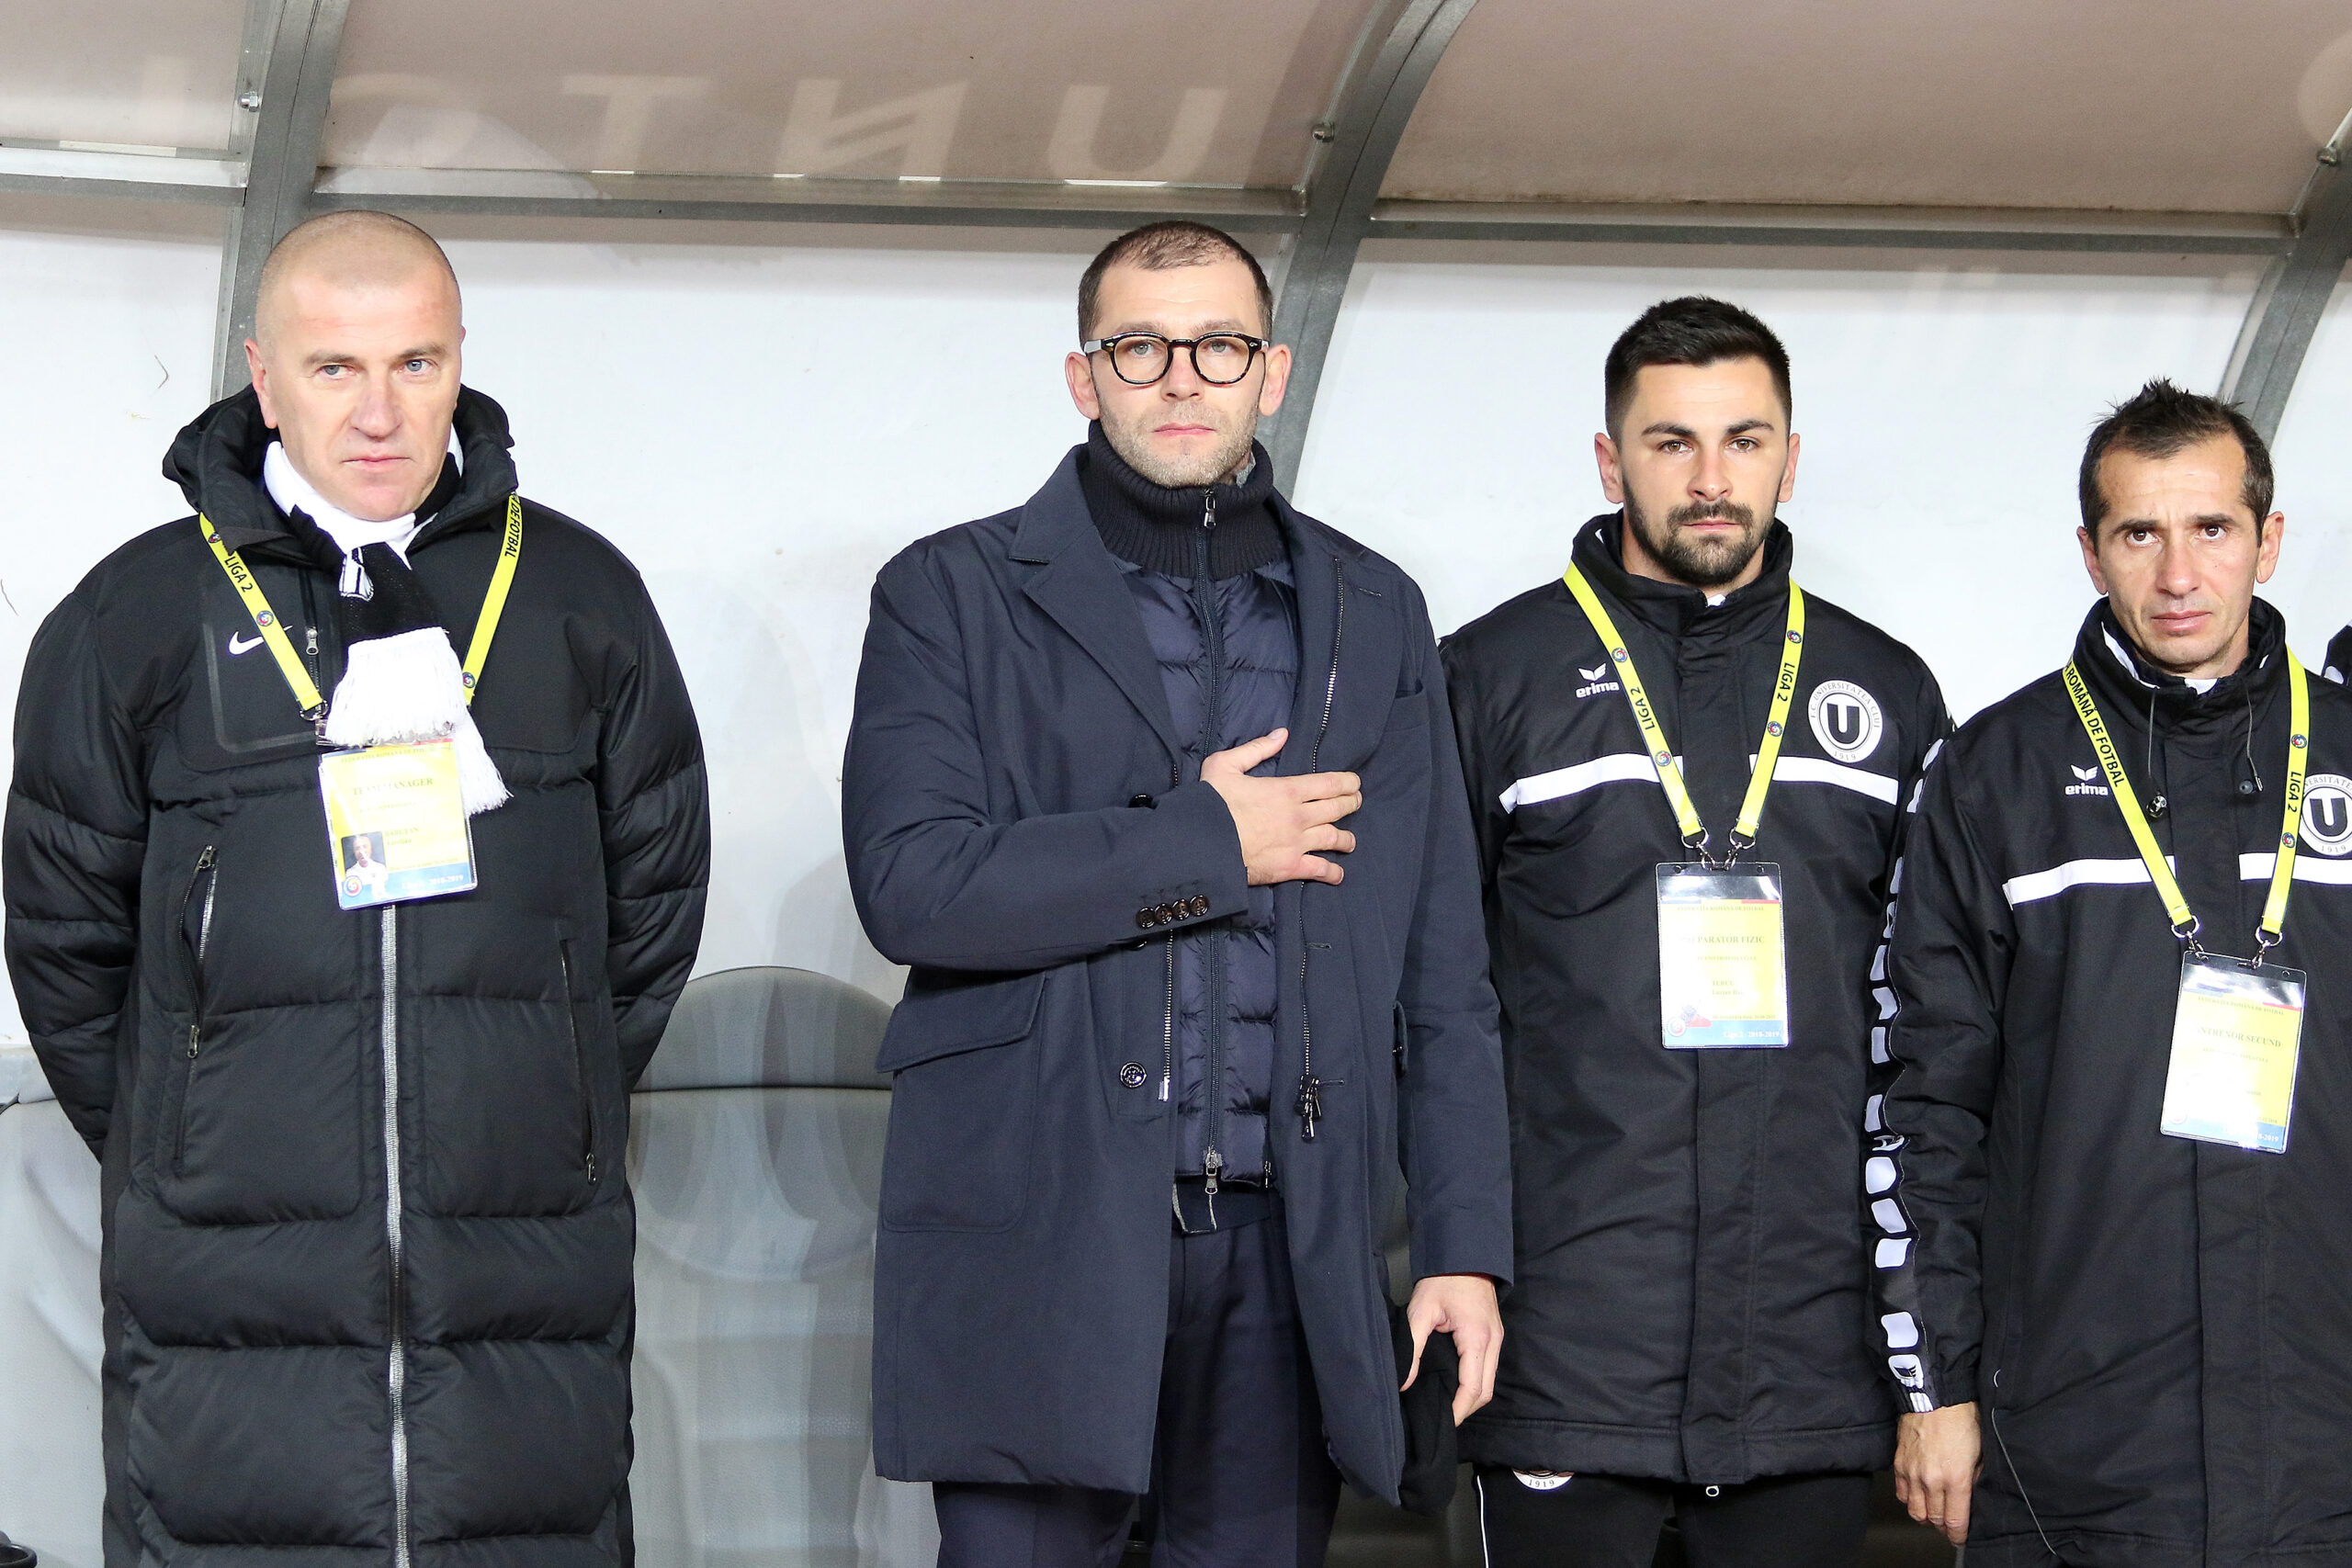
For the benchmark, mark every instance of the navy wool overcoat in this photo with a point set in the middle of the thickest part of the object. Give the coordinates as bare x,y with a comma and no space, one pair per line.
1010,720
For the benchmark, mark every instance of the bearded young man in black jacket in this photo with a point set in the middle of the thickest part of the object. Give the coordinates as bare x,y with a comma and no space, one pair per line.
2110,1179
361,1117
1150,782
1686,1321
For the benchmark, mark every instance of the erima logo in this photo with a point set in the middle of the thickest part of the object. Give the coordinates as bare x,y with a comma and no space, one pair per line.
2327,814
2083,784
1593,682
238,644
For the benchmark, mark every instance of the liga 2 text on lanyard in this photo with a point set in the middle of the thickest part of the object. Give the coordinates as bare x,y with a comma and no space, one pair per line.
1721,942
298,674
396,821
2237,1023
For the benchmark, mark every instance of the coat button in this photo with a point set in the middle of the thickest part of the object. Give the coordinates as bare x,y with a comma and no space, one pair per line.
1132,1075
1140,800
1143,920
1200,906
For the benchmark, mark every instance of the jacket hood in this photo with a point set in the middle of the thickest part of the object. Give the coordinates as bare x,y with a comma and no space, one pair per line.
1757,610
216,460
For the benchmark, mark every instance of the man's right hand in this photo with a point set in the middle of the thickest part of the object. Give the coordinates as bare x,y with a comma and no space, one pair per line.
1283,821
1936,1458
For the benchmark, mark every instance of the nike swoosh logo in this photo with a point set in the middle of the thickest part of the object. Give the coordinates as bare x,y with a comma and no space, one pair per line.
238,644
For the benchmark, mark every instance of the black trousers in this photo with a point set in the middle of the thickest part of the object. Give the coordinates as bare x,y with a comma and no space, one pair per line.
1241,1477
1607,1522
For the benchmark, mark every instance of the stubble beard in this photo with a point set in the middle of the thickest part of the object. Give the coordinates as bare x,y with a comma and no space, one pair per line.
1700,561
1132,441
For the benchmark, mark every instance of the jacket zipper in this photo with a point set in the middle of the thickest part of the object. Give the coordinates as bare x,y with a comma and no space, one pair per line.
207,870
396,1372
1310,1088
579,1070
1211,946
310,651
310,614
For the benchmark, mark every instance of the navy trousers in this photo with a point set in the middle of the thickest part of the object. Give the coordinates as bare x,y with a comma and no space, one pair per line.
1540,1520
1240,1476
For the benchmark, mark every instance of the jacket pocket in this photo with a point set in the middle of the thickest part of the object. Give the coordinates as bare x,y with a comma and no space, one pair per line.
584,1085
197,905
514,1090
964,1054
261,1118
1408,711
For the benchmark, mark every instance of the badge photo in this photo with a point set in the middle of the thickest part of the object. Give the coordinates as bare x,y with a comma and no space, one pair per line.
1846,720
2327,814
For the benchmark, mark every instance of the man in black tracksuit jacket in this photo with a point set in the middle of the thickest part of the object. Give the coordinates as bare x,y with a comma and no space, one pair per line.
2154,1331
1691,1288
367,1235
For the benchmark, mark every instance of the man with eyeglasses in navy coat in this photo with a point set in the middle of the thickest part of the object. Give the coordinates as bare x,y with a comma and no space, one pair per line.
1152,783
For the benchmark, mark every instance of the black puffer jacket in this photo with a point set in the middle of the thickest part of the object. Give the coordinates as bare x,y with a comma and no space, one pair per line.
304,1361
1212,582
2161,1328
1692,1289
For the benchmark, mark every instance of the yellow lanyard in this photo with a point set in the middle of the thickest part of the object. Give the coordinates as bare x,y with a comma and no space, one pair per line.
2184,924
1669,773
281,647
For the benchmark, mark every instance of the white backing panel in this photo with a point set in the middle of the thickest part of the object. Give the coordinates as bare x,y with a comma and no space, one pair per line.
1942,406
760,429
110,343
2313,583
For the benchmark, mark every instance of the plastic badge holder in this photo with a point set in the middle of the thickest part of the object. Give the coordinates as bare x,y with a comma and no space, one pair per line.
2236,1034
396,823
1722,956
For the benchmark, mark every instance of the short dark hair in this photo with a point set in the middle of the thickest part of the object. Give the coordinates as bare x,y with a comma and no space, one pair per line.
1694,329
2159,420
1156,247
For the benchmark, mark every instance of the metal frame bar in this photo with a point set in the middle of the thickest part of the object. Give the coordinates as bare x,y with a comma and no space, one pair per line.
2293,295
1040,204
284,80
1400,46
216,179
54,169
1884,228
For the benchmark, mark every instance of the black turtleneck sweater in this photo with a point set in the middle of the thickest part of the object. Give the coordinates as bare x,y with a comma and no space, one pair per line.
1156,527
1211,579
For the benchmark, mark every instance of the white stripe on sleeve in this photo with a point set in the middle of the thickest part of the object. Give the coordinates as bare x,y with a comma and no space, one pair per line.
1810,770
2333,872
1618,767
2036,884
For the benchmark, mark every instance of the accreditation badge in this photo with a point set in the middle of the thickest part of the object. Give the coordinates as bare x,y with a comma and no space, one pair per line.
2235,1036
396,823
1722,973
